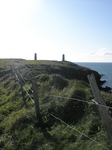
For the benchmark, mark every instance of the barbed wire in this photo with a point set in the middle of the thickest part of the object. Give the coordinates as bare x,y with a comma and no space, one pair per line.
101,104
75,99
25,82
25,65
28,95
103,110
93,101
24,87
78,131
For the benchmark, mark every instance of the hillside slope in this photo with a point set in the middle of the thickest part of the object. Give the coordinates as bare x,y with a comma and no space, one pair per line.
66,69
69,121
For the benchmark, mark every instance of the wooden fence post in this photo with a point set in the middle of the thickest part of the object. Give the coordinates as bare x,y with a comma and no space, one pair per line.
105,115
20,81
36,99
13,71
21,84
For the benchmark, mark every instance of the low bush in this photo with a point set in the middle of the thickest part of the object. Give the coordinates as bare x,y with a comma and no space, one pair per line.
43,77
79,94
58,82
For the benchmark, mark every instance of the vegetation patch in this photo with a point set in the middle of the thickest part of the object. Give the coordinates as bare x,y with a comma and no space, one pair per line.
69,121
58,82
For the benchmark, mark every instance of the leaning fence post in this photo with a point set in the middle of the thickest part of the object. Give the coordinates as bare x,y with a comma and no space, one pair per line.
21,84
36,99
13,71
105,115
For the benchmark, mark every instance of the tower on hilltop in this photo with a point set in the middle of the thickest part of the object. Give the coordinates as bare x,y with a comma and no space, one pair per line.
63,57
35,56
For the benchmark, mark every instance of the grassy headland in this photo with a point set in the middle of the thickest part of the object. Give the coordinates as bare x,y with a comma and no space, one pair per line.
59,84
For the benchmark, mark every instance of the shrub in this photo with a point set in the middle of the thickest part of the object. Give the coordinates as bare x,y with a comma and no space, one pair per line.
75,109
43,77
68,110
58,82
78,93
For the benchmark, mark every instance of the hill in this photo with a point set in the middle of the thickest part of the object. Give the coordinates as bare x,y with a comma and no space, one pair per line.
68,120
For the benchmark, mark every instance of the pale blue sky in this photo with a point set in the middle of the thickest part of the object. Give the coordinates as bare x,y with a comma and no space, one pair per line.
80,29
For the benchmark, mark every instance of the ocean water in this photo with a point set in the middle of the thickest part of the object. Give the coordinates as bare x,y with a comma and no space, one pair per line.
105,69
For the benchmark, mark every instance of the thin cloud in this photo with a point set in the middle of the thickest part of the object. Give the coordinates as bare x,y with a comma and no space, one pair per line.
108,53
100,52
92,53
101,55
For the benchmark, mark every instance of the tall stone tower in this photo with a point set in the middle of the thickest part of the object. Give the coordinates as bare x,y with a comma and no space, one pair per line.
63,57
35,56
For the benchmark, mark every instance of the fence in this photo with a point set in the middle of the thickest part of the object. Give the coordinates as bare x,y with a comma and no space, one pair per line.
98,100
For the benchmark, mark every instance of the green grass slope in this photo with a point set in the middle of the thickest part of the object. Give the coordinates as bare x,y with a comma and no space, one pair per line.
68,124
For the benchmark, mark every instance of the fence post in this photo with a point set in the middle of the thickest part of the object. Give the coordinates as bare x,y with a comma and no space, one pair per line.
13,71
21,84
105,115
36,99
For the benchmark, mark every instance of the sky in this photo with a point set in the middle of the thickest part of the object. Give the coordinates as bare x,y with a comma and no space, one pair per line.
80,29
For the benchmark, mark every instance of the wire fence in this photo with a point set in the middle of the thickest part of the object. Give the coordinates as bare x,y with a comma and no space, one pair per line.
93,102
73,128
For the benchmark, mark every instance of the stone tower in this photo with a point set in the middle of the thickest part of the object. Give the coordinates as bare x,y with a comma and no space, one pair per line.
35,56
63,57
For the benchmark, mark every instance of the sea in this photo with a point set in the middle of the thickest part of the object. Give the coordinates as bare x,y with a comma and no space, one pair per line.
104,69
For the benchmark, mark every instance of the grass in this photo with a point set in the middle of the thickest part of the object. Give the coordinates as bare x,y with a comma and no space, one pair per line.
19,128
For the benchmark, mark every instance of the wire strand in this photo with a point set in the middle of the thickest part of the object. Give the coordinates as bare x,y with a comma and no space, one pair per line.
28,94
24,87
78,131
25,82
106,113
75,99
